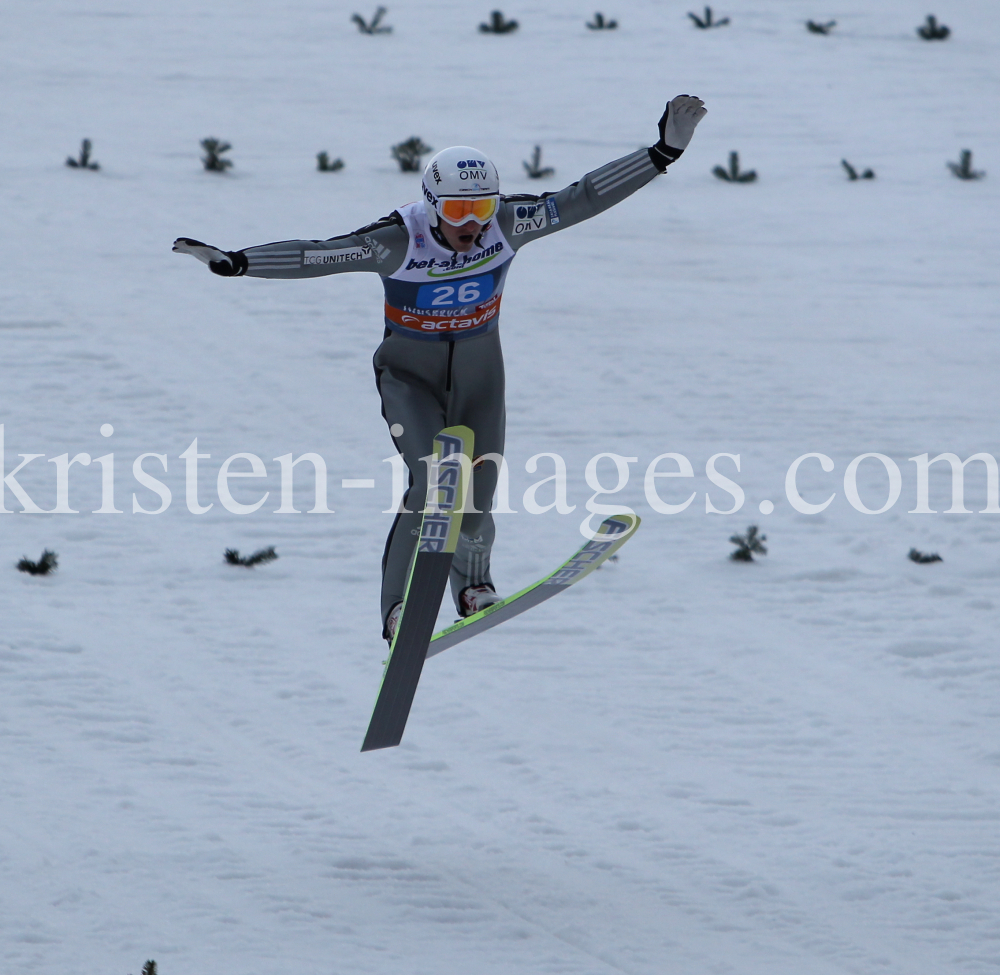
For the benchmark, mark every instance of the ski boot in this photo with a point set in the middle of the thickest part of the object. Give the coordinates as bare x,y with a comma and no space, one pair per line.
392,623
474,599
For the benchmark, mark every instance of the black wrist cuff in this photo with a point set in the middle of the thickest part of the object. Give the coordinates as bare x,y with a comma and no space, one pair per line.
662,155
234,270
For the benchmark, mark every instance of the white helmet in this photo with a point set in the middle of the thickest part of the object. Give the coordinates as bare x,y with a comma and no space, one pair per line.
460,173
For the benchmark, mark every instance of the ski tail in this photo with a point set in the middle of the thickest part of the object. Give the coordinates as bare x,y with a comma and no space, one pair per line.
447,490
613,533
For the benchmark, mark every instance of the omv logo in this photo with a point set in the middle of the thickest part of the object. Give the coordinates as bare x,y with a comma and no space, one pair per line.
523,212
471,163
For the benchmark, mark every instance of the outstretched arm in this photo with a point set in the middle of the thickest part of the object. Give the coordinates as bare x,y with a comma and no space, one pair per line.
524,218
227,263
379,247
677,125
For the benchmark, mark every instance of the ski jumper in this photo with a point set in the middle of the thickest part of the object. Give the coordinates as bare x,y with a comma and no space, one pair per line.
440,361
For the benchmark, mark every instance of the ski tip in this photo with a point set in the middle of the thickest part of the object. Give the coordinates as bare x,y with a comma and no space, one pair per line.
621,524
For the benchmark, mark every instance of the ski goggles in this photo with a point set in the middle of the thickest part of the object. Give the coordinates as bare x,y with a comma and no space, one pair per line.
459,210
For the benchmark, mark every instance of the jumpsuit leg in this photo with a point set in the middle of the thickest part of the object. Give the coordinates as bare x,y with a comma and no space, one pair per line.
424,387
477,396
409,399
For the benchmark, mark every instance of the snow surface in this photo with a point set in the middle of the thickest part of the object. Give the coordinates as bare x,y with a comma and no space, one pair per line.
685,765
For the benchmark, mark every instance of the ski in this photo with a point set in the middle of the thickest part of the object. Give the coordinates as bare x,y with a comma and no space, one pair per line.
613,533
426,583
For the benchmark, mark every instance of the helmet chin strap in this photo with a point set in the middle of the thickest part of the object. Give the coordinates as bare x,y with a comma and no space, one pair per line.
439,237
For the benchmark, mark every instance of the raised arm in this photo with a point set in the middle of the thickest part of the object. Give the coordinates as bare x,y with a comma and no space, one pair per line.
524,218
379,247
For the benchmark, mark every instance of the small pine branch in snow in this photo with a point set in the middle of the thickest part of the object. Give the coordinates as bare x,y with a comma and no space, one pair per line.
747,544
84,161
534,168
733,174
42,567
931,30
375,27
815,28
963,168
601,24
408,153
212,160
498,24
915,556
149,968
259,557
325,165
707,20
852,173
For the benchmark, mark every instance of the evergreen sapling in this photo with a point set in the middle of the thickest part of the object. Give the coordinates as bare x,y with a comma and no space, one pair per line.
42,567
601,24
852,173
733,175
931,30
921,558
963,168
375,27
325,165
747,544
534,168
260,557
498,24
408,153
707,21
84,161
212,160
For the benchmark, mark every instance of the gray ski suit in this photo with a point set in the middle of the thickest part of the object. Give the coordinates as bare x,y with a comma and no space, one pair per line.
440,361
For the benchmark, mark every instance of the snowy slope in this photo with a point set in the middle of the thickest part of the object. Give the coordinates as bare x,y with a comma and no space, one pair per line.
687,765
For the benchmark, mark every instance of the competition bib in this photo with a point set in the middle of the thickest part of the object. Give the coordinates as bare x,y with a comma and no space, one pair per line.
437,294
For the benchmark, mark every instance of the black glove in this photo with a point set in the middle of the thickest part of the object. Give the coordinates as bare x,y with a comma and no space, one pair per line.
227,263
677,125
